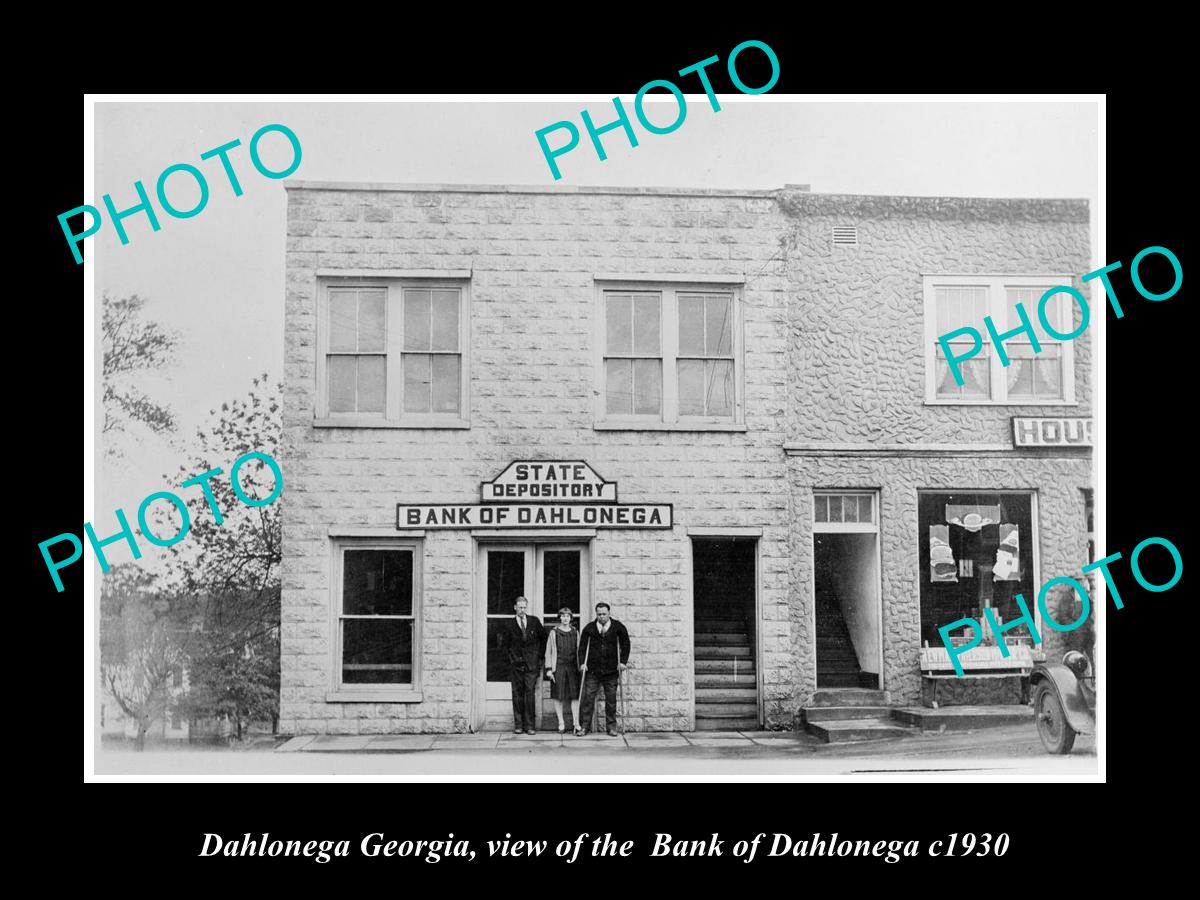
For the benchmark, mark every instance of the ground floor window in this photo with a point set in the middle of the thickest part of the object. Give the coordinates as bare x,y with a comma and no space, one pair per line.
377,587
976,552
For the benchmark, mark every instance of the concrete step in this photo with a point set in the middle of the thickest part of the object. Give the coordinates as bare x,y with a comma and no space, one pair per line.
733,723
718,679
842,713
858,730
728,638
748,694
720,652
707,626
848,697
963,718
716,666
836,680
726,709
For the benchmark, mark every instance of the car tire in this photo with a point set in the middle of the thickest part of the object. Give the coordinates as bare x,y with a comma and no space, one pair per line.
1057,736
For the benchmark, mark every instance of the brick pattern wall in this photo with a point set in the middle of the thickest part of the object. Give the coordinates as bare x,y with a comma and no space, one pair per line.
533,258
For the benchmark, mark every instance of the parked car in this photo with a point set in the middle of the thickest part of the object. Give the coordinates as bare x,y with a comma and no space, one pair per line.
1064,701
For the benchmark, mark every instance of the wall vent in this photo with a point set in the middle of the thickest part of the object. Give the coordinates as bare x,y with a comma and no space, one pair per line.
845,234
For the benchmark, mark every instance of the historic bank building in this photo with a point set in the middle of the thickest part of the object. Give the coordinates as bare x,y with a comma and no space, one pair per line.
723,412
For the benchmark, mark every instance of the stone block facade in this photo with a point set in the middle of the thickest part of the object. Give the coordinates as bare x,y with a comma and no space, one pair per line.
832,360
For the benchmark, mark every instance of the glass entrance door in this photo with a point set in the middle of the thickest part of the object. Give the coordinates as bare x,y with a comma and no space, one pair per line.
549,576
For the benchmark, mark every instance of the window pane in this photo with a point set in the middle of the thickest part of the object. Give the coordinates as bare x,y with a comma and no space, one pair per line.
1047,374
1029,298
718,389
718,326
691,325
445,320
371,307
343,317
377,582
821,508
560,583
618,312
416,320
865,513
340,371
691,387
370,383
505,581
446,385
647,386
416,382
618,386
960,306
835,508
976,374
645,325
377,651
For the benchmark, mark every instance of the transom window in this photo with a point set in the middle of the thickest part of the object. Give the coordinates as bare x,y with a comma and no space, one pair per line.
844,508
392,352
961,301
670,356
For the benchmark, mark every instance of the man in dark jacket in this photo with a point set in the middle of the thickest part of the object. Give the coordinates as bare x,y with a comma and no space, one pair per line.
604,645
526,643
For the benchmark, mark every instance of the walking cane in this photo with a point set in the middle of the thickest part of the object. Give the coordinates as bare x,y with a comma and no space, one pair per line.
620,703
581,680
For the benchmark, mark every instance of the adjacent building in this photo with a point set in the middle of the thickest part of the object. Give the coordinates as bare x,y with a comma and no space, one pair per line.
723,412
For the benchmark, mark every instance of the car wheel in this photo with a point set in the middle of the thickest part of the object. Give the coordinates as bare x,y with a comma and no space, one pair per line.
1057,736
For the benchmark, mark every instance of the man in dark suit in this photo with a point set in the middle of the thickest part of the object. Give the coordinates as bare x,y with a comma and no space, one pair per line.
604,654
526,643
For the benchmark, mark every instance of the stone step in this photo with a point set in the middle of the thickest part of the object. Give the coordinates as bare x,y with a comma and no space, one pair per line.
963,718
715,666
838,713
727,709
718,679
729,723
721,652
727,638
847,697
707,626
840,732
748,694
837,680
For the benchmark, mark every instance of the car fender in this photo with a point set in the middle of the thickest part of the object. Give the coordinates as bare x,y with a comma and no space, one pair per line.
1064,683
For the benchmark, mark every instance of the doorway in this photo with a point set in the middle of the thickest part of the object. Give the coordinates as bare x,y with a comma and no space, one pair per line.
846,591
550,576
724,591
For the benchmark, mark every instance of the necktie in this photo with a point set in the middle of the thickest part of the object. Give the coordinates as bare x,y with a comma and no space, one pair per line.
521,619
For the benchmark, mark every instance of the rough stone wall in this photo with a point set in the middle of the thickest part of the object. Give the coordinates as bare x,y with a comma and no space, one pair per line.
533,257
857,375
856,313
1061,550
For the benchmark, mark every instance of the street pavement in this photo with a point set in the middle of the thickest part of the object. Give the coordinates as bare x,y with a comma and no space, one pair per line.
1008,752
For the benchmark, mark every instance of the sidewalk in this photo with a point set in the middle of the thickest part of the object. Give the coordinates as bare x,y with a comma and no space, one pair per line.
547,741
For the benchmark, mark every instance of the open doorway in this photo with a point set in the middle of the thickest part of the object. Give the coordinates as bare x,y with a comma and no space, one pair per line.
846,590
724,589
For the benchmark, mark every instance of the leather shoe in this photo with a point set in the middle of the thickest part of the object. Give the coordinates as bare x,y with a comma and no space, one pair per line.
531,731
518,731
612,732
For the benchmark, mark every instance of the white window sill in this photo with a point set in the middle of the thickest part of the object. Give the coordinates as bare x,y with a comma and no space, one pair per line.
1035,403
387,423
664,426
374,696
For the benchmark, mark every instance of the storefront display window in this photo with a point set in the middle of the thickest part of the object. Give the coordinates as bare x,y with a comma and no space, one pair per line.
976,552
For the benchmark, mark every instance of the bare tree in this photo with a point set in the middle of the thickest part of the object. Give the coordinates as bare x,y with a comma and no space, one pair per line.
132,345
141,682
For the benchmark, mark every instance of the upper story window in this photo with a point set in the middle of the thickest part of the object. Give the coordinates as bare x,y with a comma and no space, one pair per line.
392,352
670,357
1030,379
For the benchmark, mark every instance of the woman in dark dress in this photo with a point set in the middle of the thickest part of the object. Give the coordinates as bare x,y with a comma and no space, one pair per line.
562,668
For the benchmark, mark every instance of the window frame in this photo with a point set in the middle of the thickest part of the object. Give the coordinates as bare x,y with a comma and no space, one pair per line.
397,693
669,418
828,527
393,415
997,305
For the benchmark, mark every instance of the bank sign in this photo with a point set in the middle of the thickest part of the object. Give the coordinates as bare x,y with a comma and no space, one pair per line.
540,494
